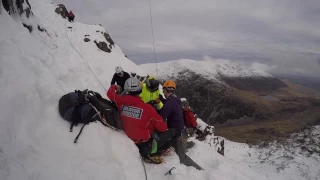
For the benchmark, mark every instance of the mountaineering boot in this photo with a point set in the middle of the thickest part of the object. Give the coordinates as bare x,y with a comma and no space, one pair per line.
153,159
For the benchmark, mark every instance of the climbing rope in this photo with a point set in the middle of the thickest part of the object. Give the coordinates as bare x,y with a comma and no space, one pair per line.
83,59
144,167
154,47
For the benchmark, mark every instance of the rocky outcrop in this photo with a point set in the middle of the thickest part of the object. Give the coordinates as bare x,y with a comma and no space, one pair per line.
62,10
8,5
103,46
29,27
214,102
16,6
86,39
108,38
21,9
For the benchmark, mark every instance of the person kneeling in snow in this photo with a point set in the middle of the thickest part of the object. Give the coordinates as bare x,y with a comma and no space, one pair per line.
141,122
192,126
151,93
189,117
172,112
120,78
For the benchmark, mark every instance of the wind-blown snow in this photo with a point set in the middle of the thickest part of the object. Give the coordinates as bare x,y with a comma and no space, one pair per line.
35,143
209,69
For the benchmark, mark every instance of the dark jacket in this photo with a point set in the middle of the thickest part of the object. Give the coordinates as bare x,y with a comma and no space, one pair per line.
172,112
120,80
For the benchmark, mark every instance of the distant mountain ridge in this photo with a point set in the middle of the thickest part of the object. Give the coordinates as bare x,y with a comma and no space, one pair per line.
222,73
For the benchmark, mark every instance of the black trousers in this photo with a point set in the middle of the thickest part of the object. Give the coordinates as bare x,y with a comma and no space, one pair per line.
164,142
70,18
180,149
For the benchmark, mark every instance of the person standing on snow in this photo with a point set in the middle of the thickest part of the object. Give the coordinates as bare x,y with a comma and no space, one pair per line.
151,93
141,122
173,114
70,16
120,78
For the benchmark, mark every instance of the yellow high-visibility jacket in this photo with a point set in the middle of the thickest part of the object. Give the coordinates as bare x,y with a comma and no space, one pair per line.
147,96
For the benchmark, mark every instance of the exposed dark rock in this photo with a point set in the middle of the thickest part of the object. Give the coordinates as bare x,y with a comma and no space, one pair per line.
41,29
86,35
29,27
97,31
103,46
20,7
62,10
12,6
125,56
86,39
108,38
7,4
101,32
69,27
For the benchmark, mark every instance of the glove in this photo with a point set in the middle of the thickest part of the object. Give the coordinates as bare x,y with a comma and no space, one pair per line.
162,99
118,89
155,104
155,136
158,100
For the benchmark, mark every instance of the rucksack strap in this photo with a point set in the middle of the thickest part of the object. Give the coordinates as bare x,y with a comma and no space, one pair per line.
71,126
76,139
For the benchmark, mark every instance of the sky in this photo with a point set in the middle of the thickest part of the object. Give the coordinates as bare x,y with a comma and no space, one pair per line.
277,36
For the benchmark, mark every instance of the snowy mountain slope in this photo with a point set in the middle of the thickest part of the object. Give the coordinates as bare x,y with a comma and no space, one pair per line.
298,158
209,69
35,143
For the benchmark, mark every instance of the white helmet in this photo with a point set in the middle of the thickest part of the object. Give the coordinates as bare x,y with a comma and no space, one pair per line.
118,69
133,85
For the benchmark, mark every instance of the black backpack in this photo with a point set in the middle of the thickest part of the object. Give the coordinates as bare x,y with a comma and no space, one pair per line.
88,106
110,115
76,108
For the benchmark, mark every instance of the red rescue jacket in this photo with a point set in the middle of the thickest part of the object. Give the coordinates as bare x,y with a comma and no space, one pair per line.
139,120
70,14
189,118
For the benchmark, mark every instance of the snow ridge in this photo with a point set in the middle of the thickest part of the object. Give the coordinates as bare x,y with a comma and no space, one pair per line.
208,68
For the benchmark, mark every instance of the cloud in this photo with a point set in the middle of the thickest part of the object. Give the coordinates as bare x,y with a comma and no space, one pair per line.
262,67
282,33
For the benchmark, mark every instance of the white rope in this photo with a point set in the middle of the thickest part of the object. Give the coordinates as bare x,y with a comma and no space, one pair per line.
83,58
112,128
154,47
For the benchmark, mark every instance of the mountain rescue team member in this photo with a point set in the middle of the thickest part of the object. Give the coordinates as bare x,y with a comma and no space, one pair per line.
120,78
173,114
151,93
141,122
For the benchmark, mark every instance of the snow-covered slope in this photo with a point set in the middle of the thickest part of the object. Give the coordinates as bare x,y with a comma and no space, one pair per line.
209,69
35,143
